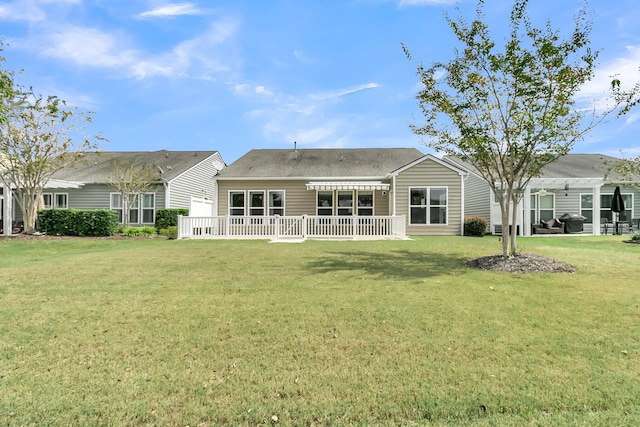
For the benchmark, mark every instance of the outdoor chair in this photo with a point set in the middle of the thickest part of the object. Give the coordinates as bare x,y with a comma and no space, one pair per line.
605,225
623,227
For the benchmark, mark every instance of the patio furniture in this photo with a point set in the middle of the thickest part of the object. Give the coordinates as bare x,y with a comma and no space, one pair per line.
552,226
605,224
622,227
573,223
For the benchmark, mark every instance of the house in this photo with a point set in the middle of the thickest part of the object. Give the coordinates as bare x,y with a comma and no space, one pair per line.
185,179
346,189
573,184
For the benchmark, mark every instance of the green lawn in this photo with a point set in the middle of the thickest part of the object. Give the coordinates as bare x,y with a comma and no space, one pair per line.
204,333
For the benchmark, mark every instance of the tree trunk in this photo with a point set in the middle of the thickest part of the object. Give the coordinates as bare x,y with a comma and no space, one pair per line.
513,248
28,202
504,209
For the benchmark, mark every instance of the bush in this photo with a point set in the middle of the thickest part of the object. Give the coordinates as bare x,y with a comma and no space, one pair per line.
73,222
166,218
138,231
475,226
170,232
636,236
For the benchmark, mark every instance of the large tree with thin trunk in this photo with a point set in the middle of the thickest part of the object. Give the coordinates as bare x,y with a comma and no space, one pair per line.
510,109
38,137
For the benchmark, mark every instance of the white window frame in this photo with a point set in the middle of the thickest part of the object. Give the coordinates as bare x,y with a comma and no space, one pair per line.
151,208
58,205
325,208
427,206
49,204
118,207
272,209
361,209
255,210
232,208
585,209
346,209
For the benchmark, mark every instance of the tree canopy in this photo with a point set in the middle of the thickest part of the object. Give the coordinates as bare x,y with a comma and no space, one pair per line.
510,109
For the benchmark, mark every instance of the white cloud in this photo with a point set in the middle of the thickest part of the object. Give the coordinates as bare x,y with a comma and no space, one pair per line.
343,92
86,46
22,11
206,54
168,10
29,10
625,68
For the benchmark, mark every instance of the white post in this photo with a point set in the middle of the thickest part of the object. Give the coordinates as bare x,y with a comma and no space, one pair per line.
7,214
595,216
526,201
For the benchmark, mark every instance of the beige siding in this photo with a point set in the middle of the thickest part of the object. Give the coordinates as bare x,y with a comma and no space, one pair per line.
429,173
298,200
477,194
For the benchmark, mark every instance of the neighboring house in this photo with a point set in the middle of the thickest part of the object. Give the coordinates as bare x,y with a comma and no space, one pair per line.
346,183
573,184
184,178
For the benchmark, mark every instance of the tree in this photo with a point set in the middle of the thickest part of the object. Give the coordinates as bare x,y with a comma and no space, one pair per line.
510,111
39,136
626,171
130,181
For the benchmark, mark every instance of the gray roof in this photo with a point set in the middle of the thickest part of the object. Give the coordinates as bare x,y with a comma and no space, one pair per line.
569,166
95,167
579,166
327,163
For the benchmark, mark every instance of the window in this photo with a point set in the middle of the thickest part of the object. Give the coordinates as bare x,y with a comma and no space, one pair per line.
325,203
542,207
148,208
147,211
134,214
236,203
365,203
276,203
606,200
47,200
586,207
546,206
345,202
428,205
61,201
256,203
115,204
57,201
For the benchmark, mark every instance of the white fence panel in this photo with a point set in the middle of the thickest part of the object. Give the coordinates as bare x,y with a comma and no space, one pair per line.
283,227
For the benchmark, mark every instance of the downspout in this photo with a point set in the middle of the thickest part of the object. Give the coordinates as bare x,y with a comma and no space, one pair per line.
392,199
463,178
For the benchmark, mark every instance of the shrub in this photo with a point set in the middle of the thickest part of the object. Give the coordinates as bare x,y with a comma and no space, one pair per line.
636,236
475,226
170,232
169,217
138,231
73,222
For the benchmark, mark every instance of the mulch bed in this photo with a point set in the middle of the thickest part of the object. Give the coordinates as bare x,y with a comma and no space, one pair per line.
522,263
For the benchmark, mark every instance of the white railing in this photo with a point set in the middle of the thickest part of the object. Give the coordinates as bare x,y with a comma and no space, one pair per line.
291,227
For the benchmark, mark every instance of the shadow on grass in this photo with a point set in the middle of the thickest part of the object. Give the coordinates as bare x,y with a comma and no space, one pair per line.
393,264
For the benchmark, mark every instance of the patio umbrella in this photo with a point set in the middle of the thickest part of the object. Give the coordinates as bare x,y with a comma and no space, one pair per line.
617,204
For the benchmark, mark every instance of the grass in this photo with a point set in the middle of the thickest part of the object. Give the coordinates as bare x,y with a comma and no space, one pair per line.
204,333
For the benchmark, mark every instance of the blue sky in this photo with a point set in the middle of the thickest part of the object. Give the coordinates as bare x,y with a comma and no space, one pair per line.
234,75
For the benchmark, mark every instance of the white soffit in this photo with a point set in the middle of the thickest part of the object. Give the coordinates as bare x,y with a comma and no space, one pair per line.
347,186
59,183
